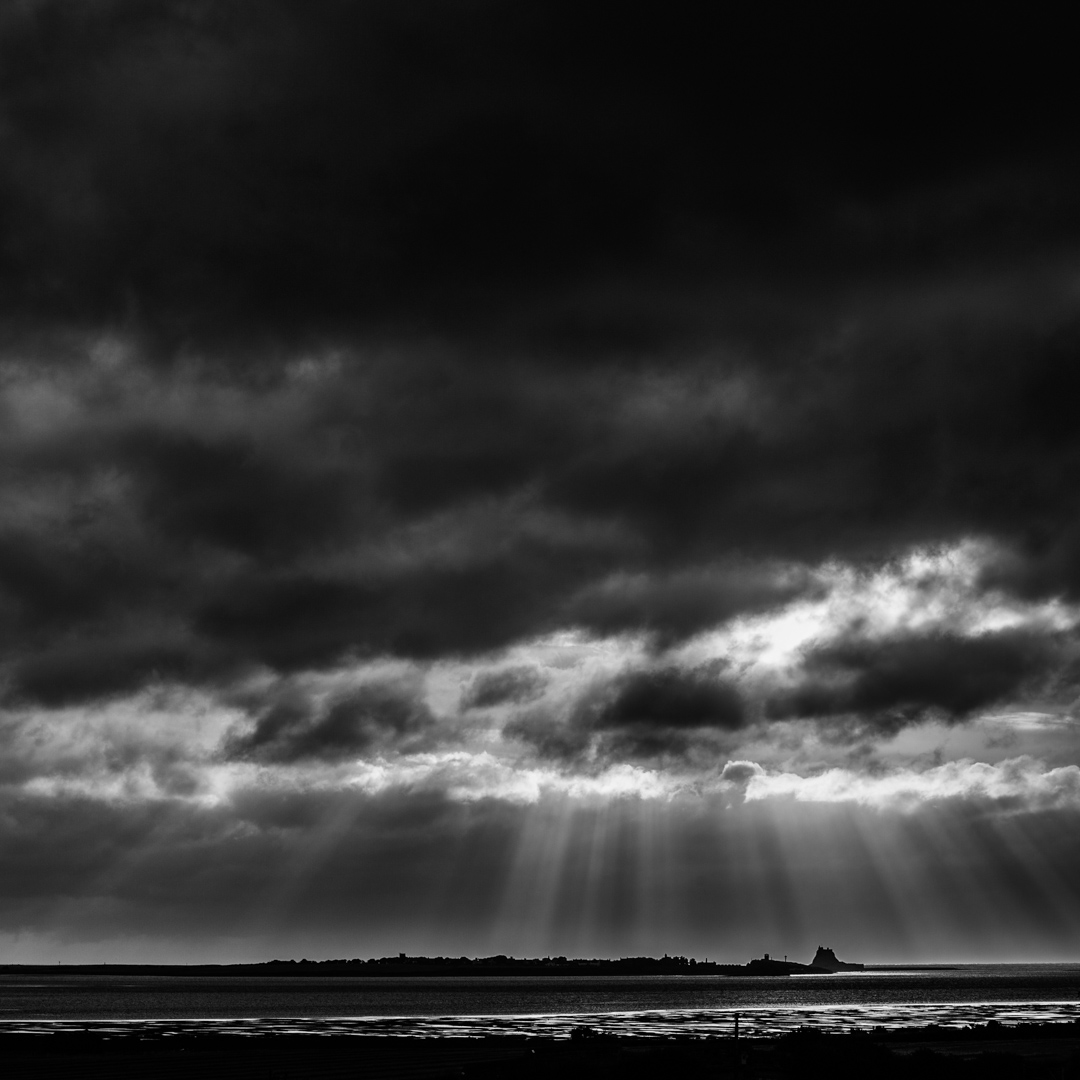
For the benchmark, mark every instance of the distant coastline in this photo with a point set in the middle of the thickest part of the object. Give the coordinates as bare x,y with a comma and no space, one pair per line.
403,966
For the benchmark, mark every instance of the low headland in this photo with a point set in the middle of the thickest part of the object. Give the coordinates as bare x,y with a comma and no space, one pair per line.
824,962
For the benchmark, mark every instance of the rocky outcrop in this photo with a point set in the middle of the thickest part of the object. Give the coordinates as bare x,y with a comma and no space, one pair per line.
826,960
768,966
824,963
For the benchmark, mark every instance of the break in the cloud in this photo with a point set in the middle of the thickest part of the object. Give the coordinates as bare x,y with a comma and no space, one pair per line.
434,416
1014,785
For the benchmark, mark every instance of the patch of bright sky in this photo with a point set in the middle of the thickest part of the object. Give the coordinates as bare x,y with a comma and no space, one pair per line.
186,722
1016,784
802,746
927,590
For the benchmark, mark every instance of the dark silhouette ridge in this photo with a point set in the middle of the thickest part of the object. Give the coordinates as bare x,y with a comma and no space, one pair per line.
826,958
403,965
768,966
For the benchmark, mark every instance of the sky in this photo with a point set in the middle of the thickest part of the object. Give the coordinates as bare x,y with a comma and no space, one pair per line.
536,478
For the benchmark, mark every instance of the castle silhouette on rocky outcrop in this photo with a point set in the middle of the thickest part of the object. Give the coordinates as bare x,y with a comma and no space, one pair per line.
824,963
826,959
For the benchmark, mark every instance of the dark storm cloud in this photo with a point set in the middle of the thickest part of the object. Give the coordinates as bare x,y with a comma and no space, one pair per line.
670,698
451,325
510,685
296,163
903,679
83,670
303,621
234,495
288,162
377,715
648,713
652,714
550,736
676,605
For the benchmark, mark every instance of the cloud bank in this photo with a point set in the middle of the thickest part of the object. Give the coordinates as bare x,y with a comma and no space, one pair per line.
435,415
1014,785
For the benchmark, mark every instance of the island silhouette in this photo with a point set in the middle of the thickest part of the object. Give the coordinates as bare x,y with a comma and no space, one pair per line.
826,959
402,965
824,963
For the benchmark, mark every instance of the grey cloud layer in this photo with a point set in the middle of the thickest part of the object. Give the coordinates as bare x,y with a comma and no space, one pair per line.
335,331
900,679
509,684
174,524
370,716
643,714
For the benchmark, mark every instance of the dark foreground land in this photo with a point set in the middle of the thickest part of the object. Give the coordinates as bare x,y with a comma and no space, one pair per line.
1038,1052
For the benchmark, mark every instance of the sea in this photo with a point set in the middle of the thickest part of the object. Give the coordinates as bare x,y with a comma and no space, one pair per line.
550,1006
